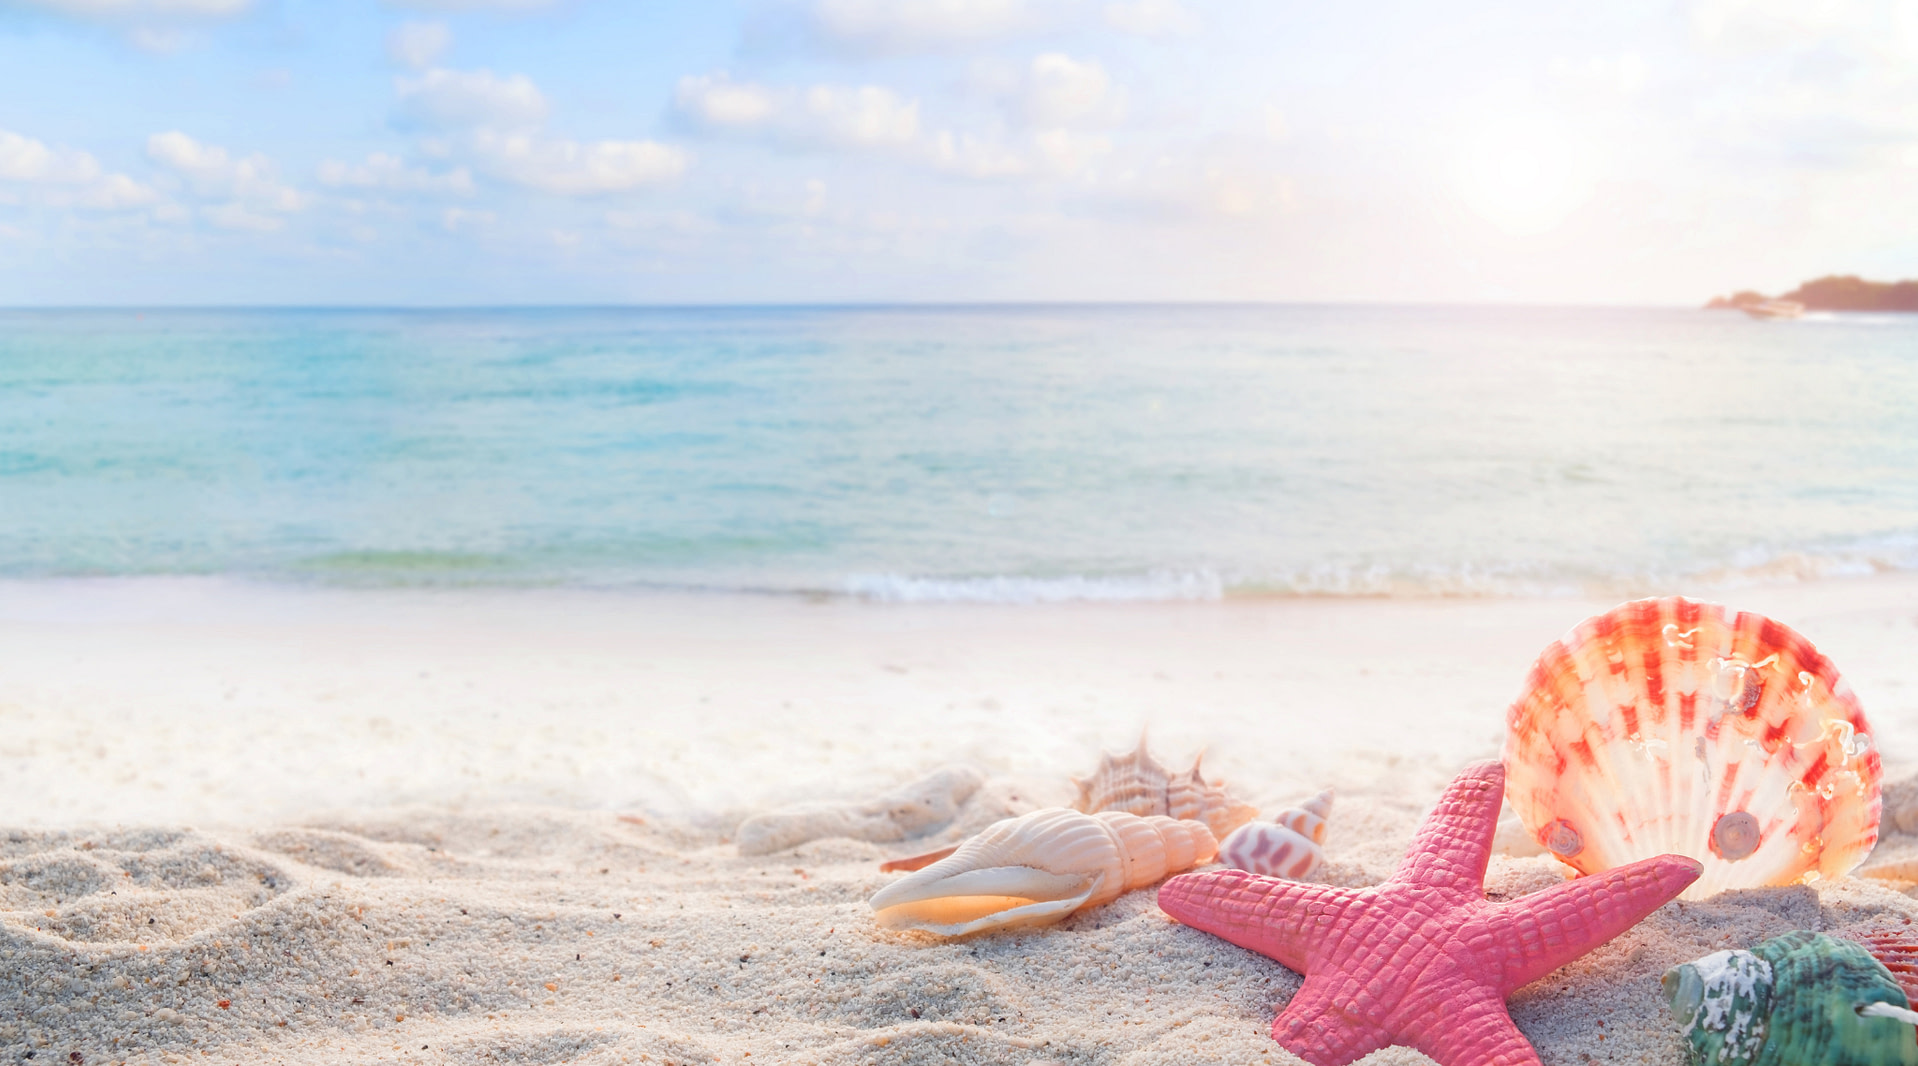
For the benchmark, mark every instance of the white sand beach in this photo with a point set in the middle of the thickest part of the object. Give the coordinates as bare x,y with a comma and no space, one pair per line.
266,824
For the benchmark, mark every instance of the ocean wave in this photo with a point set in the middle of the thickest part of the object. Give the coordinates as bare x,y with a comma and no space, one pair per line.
1746,569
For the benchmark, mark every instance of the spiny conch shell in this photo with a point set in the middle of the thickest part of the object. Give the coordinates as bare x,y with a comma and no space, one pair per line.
1669,726
1039,867
1137,783
1288,846
1802,999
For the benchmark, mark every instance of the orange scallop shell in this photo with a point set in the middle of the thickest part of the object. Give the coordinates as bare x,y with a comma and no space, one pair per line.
1668,726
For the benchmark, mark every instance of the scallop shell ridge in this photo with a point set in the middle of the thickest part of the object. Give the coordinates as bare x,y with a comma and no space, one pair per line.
1669,726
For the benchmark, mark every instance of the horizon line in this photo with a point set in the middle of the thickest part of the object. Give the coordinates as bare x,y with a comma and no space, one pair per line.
841,305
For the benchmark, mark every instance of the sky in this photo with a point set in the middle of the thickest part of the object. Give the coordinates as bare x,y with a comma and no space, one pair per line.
463,152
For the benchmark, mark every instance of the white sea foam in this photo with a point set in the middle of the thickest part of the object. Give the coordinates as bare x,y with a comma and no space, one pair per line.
1758,566
1075,588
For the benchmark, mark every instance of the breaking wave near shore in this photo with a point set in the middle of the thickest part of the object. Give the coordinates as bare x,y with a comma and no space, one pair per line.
961,455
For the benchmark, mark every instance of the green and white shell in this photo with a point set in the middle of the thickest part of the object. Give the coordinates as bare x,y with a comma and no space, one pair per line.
1794,1000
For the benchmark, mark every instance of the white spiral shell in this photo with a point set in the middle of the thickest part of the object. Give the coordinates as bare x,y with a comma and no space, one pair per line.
1039,867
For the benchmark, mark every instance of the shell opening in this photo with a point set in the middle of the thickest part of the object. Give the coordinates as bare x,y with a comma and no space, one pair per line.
1002,897
1685,992
1735,836
964,911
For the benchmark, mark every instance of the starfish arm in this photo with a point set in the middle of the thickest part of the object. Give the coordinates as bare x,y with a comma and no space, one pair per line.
1454,844
1471,1028
1313,1027
1283,920
1565,921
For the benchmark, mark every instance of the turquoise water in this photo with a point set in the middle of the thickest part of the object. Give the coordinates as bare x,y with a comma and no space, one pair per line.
971,453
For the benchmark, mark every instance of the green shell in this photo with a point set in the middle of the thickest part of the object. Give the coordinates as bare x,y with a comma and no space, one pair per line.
1792,1001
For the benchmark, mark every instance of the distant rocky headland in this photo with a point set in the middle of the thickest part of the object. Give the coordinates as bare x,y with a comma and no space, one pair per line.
1837,292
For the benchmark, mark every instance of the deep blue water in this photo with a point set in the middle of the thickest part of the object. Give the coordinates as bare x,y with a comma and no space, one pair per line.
1006,453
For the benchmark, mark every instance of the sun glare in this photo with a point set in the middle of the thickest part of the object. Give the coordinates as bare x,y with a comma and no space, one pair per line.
1525,179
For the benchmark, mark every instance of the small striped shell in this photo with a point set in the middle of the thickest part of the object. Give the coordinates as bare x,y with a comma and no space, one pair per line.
1270,850
1039,867
1288,846
1137,783
1308,818
1669,726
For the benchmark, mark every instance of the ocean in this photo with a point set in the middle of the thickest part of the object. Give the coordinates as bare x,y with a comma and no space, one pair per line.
962,453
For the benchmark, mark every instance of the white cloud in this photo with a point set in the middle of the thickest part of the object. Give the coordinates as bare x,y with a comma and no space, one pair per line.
442,97
1871,24
1183,190
893,26
1045,154
213,172
1064,152
460,220
1057,92
675,222
142,9
1151,18
819,116
495,123
235,216
151,25
1061,91
1811,86
867,116
390,173
574,168
974,157
112,192
25,159
418,44
715,100
67,176
158,39
474,5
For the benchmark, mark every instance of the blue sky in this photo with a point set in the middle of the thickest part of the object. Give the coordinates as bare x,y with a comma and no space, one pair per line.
558,151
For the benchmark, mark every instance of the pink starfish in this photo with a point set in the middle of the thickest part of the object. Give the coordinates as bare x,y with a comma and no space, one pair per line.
1423,960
